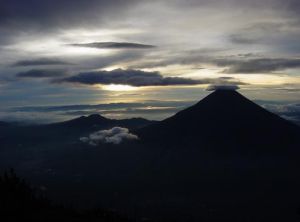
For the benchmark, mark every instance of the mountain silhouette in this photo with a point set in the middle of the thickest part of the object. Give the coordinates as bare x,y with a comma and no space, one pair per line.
98,121
224,118
62,132
84,121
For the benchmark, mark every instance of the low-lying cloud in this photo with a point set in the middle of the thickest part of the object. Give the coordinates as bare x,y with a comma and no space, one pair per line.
114,45
242,63
40,62
115,135
288,111
222,87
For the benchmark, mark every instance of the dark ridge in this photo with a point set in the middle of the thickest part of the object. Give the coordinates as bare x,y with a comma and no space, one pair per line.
19,202
98,120
4,124
84,121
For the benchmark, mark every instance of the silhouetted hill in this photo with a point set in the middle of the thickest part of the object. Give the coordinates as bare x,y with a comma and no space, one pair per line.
63,132
84,121
4,124
20,202
225,118
96,120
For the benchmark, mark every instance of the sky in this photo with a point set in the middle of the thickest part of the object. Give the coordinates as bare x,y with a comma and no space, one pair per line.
129,58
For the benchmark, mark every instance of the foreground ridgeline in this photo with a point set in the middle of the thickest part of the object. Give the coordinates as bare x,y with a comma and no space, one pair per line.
20,202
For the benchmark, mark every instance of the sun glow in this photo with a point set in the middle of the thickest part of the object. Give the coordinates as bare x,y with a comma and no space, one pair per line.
47,46
117,87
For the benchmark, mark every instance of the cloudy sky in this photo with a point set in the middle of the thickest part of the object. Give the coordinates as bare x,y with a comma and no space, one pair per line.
145,58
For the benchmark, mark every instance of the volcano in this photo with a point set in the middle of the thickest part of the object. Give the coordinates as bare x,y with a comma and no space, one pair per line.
225,119
230,154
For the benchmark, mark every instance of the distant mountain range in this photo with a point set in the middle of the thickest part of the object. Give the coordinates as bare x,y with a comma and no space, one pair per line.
63,131
96,120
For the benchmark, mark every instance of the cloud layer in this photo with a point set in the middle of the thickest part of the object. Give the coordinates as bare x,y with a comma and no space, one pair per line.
40,62
260,65
222,87
129,77
114,45
115,135
49,13
138,78
41,73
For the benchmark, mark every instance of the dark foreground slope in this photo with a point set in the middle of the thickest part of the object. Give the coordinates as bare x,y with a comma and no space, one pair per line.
20,202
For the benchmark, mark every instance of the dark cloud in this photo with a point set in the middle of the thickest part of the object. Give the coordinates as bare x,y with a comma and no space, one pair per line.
258,33
19,16
114,45
282,35
222,87
226,78
244,39
186,57
41,73
260,65
292,6
47,13
239,63
130,77
247,55
139,78
40,62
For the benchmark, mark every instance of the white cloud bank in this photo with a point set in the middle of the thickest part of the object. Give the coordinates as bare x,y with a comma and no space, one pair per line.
115,135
